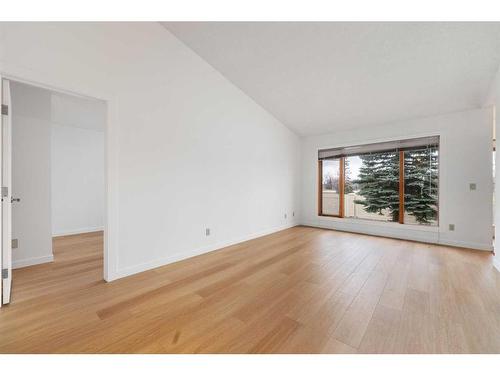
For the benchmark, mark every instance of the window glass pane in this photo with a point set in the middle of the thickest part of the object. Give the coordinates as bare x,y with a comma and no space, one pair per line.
372,186
331,197
421,186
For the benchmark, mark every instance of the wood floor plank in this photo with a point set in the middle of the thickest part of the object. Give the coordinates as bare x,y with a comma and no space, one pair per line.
382,331
353,325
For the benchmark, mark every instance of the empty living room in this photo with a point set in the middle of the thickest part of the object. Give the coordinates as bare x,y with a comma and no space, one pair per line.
249,185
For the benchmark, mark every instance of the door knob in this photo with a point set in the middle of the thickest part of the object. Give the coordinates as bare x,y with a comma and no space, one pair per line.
15,200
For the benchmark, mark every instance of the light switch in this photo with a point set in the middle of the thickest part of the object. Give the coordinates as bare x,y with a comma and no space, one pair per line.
472,186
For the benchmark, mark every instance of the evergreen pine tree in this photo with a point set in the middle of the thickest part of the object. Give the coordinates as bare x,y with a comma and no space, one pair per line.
421,167
379,183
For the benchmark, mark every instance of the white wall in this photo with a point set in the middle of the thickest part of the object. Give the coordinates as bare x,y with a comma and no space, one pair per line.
31,175
186,149
77,180
77,145
465,157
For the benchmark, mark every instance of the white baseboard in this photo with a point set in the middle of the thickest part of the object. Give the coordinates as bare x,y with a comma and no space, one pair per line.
32,261
77,231
496,263
412,235
467,245
124,272
189,254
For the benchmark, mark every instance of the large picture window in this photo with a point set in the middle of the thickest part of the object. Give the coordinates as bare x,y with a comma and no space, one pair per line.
391,181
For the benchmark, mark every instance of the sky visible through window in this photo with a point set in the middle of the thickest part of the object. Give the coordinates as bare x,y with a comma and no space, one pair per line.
354,166
330,169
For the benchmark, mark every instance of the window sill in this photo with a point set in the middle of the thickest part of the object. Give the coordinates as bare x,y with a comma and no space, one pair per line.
387,224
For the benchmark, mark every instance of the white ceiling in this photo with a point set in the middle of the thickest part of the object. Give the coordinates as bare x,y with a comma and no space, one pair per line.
321,77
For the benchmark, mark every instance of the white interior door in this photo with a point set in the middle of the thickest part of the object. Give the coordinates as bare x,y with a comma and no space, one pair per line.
6,183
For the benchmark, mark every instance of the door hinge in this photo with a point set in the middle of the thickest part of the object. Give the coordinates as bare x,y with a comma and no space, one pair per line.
5,273
5,109
5,191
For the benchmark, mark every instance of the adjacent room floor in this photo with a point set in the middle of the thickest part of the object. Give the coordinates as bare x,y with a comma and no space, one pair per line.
302,290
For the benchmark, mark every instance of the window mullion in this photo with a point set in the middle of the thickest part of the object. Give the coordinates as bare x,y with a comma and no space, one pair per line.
320,187
401,187
341,186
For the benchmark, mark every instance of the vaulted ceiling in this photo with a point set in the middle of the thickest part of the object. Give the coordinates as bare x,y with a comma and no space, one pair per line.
322,77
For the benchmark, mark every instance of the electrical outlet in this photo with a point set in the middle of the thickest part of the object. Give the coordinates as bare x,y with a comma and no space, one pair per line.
451,227
207,232
472,186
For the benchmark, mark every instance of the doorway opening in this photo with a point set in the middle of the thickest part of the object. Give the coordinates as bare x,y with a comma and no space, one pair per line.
58,189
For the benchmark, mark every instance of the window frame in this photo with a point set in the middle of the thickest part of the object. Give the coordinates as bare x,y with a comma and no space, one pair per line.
401,216
341,188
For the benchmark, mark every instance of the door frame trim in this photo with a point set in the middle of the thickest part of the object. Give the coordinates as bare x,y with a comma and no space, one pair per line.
110,164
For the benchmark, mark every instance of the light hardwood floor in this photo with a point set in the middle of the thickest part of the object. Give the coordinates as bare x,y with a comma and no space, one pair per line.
302,290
